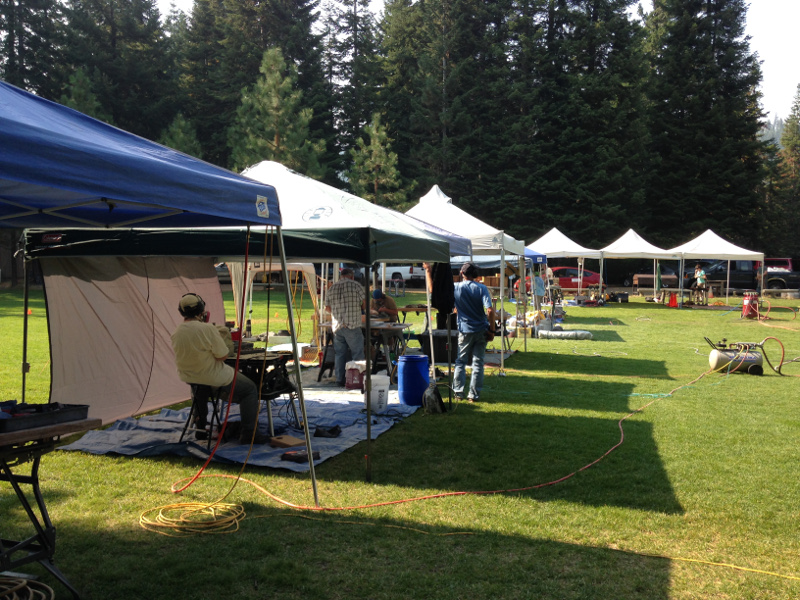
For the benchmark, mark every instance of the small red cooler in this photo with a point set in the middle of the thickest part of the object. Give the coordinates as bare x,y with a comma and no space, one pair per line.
354,375
750,305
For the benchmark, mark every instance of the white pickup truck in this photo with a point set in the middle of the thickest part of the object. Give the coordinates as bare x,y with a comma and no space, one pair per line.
414,276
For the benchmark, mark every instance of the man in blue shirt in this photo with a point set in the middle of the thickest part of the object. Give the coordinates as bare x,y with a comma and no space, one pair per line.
475,330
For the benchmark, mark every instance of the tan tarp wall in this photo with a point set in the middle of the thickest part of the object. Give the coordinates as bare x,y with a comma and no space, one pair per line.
110,320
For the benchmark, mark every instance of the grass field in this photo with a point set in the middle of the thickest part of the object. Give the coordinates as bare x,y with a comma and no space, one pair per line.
700,499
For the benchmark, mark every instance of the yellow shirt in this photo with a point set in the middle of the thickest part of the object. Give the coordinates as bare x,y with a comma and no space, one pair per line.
197,346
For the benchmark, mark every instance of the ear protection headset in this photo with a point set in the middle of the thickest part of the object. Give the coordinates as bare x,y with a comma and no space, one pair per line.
192,306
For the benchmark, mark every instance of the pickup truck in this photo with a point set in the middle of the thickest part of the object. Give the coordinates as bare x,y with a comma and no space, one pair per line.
414,276
780,264
744,276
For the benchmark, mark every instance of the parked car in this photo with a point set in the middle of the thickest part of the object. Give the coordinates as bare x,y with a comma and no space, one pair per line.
567,278
644,277
689,265
743,275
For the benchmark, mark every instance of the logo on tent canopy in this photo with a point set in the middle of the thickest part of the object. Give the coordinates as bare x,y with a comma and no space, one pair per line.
262,207
315,214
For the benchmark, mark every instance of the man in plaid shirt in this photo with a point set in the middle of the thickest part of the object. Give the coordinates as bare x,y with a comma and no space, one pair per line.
346,304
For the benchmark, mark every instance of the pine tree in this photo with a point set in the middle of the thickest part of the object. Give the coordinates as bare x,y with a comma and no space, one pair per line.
270,123
82,98
782,212
374,174
181,136
353,52
31,42
705,121
212,101
592,162
401,25
227,41
122,46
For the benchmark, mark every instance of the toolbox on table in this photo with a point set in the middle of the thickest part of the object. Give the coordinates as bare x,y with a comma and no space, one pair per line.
26,416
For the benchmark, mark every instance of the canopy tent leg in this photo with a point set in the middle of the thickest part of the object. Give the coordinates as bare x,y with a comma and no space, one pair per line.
25,304
297,374
368,378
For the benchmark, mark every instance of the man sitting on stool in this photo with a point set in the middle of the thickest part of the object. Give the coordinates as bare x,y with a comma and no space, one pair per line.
200,354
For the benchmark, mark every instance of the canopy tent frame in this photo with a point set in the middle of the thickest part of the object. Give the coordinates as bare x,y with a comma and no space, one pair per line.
710,245
485,239
59,167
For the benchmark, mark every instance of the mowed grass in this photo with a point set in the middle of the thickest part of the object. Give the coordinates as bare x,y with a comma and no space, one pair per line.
699,499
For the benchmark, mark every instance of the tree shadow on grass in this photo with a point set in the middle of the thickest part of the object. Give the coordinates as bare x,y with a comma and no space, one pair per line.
279,553
569,357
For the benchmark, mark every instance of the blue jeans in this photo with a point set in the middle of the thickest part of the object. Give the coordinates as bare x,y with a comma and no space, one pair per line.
346,341
471,346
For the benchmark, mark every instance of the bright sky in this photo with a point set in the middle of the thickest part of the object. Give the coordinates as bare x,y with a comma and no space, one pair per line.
771,24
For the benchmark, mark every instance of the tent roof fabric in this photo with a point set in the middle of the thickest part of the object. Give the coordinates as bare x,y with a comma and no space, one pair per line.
632,245
459,245
555,244
311,246
536,257
437,207
709,245
59,167
310,205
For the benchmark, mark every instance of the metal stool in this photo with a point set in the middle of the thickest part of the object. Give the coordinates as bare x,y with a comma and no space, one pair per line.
199,421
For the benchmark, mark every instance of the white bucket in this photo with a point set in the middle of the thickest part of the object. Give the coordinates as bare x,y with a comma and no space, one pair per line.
380,394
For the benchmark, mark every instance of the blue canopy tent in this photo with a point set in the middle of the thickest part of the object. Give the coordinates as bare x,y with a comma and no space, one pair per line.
61,168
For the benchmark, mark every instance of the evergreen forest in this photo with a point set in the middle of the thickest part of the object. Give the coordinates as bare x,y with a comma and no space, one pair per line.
587,115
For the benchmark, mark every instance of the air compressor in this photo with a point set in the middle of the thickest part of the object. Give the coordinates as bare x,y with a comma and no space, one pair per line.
743,357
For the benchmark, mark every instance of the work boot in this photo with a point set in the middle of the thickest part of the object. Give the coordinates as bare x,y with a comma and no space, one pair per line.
246,437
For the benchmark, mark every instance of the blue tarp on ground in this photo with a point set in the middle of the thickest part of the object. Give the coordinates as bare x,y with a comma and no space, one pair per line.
160,434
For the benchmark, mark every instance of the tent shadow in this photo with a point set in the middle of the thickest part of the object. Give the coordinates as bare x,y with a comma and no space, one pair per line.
276,554
522,449
574,361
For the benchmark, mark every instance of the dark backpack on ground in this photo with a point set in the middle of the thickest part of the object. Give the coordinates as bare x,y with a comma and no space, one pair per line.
432,400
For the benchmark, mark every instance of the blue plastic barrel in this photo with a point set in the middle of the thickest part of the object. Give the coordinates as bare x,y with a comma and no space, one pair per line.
412,378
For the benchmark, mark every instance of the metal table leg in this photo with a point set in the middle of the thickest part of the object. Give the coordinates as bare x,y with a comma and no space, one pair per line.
41,546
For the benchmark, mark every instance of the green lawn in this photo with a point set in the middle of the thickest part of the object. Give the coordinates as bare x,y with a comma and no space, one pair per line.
706,479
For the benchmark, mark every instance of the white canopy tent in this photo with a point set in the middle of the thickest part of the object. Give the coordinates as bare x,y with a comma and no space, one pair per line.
438,207
632,245
385,236
555,244
307,204
709,245
258,269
